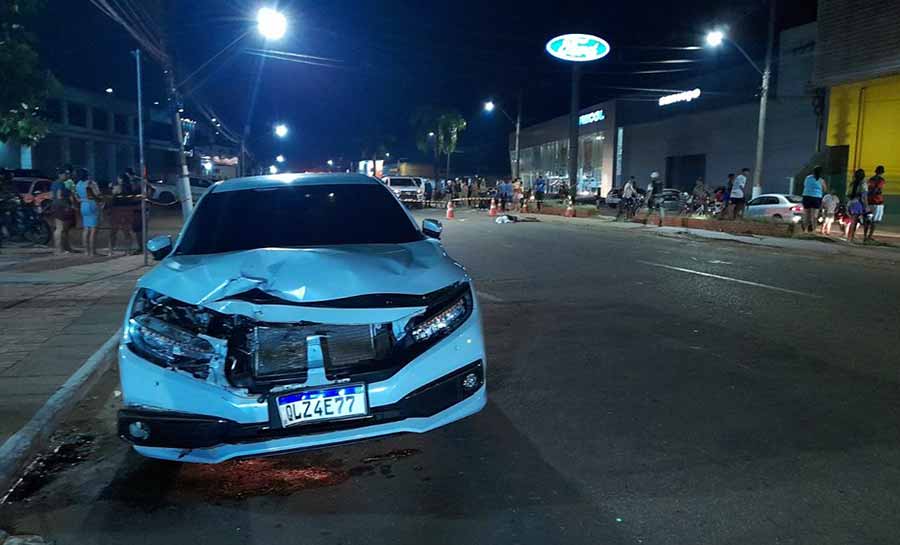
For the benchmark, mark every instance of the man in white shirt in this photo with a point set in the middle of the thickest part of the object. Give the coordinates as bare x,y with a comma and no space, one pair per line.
737,194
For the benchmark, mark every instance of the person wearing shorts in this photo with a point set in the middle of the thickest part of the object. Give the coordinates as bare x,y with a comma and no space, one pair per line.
814,188
737,199
857,204
876,201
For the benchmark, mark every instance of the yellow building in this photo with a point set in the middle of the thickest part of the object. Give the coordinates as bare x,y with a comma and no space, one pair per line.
858,60
865,116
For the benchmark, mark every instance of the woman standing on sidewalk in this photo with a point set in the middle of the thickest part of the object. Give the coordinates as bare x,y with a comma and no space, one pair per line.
857,203
814,188
88,195
63,213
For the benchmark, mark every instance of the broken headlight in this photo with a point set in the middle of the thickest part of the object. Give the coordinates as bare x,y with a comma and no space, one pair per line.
439,322
169,333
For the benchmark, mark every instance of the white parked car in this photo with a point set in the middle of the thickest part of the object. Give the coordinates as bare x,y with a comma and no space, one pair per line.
295,311
776,207
408,189
166,191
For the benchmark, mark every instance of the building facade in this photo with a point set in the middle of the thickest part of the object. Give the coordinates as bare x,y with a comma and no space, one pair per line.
708,136
97,132
858,62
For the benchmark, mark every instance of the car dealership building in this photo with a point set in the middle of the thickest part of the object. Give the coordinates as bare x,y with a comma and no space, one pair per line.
706,127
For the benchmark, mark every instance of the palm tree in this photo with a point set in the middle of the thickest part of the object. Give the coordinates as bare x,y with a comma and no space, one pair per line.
450,126
424,122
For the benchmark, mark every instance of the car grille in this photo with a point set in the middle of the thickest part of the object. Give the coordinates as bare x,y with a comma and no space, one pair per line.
281,351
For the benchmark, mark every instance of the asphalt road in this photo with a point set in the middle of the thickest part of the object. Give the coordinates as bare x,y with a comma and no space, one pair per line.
634,398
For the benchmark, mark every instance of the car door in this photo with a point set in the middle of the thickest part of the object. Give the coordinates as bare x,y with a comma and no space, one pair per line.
757,207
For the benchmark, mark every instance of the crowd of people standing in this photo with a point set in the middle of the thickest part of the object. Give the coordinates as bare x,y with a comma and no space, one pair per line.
76,193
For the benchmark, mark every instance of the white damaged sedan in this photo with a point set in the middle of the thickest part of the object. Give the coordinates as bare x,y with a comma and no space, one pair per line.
297,311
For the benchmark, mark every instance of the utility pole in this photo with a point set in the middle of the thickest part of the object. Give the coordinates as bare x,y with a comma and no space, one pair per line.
763,104
573,131
183,184
518,129
143,164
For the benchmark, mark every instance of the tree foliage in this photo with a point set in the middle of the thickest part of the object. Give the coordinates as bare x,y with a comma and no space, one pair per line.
25,83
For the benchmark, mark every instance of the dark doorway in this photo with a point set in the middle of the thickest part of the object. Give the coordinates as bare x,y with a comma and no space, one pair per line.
682,171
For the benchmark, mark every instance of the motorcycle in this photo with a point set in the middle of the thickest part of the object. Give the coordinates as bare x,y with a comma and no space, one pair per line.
20,221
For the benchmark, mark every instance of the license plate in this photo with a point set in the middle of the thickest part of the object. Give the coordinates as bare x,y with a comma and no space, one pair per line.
316,405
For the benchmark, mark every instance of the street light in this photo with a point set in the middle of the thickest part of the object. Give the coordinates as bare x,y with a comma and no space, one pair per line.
271,23
387,154
109,90
489,107
273,169
280,158
431,134
281,130
715,39
330,163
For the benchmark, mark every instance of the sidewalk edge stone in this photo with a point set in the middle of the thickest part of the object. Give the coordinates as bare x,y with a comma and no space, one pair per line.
16,452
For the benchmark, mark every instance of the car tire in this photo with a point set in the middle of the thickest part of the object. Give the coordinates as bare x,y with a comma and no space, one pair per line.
778,218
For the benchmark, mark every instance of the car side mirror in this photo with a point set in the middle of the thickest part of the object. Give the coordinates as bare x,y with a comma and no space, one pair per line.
160,246
432,228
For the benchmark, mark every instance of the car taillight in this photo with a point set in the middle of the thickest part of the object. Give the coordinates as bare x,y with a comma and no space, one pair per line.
797,208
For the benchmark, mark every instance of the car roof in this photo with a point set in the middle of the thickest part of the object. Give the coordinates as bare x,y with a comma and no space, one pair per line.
292,179
785,195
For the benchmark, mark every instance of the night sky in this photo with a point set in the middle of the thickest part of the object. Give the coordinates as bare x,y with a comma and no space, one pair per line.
395,56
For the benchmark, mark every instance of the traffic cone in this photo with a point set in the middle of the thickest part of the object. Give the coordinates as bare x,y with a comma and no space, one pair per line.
570,210
493,210
450,214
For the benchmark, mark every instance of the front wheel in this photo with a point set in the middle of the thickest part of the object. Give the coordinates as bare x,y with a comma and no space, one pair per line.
39,233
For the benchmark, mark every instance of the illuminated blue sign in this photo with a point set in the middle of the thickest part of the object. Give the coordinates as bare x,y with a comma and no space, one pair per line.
578,47
593,117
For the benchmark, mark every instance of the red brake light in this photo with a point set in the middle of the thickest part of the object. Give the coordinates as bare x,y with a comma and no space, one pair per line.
797,208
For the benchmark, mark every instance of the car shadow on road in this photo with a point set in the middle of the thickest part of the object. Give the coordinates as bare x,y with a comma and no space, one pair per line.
478,477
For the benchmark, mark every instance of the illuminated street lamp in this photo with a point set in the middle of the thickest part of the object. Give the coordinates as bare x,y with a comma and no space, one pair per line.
431,134
489,107
280,159
271,23
109,90
330,163
716,38
273,169
281,130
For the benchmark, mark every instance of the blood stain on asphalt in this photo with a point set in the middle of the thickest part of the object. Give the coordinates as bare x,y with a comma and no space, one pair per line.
259,477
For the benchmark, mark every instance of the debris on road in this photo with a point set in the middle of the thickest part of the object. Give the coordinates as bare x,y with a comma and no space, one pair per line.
509,218
43,469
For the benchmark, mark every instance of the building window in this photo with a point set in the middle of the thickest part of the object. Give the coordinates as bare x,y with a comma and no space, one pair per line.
121,124
101,120
77,114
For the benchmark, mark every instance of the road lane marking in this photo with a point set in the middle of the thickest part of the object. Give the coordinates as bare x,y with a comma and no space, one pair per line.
489,297
729,279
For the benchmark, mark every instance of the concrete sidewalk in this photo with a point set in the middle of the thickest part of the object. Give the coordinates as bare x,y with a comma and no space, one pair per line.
55,312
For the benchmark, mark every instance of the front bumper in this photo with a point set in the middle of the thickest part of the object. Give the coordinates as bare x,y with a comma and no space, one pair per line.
194,420
191,431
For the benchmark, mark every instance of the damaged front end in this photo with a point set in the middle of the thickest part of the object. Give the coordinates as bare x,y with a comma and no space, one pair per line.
257,343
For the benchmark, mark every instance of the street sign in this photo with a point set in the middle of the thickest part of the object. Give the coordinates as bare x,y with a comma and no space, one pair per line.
578,47
685,96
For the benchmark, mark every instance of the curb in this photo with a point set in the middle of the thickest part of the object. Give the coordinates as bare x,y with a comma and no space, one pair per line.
18,449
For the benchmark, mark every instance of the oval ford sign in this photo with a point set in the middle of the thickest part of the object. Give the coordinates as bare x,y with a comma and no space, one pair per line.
578,47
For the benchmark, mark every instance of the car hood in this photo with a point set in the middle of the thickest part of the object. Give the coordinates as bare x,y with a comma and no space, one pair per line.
307,274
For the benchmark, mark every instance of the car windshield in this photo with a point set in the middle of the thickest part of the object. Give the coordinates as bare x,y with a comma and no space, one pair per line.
296,216
402,182
794,198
